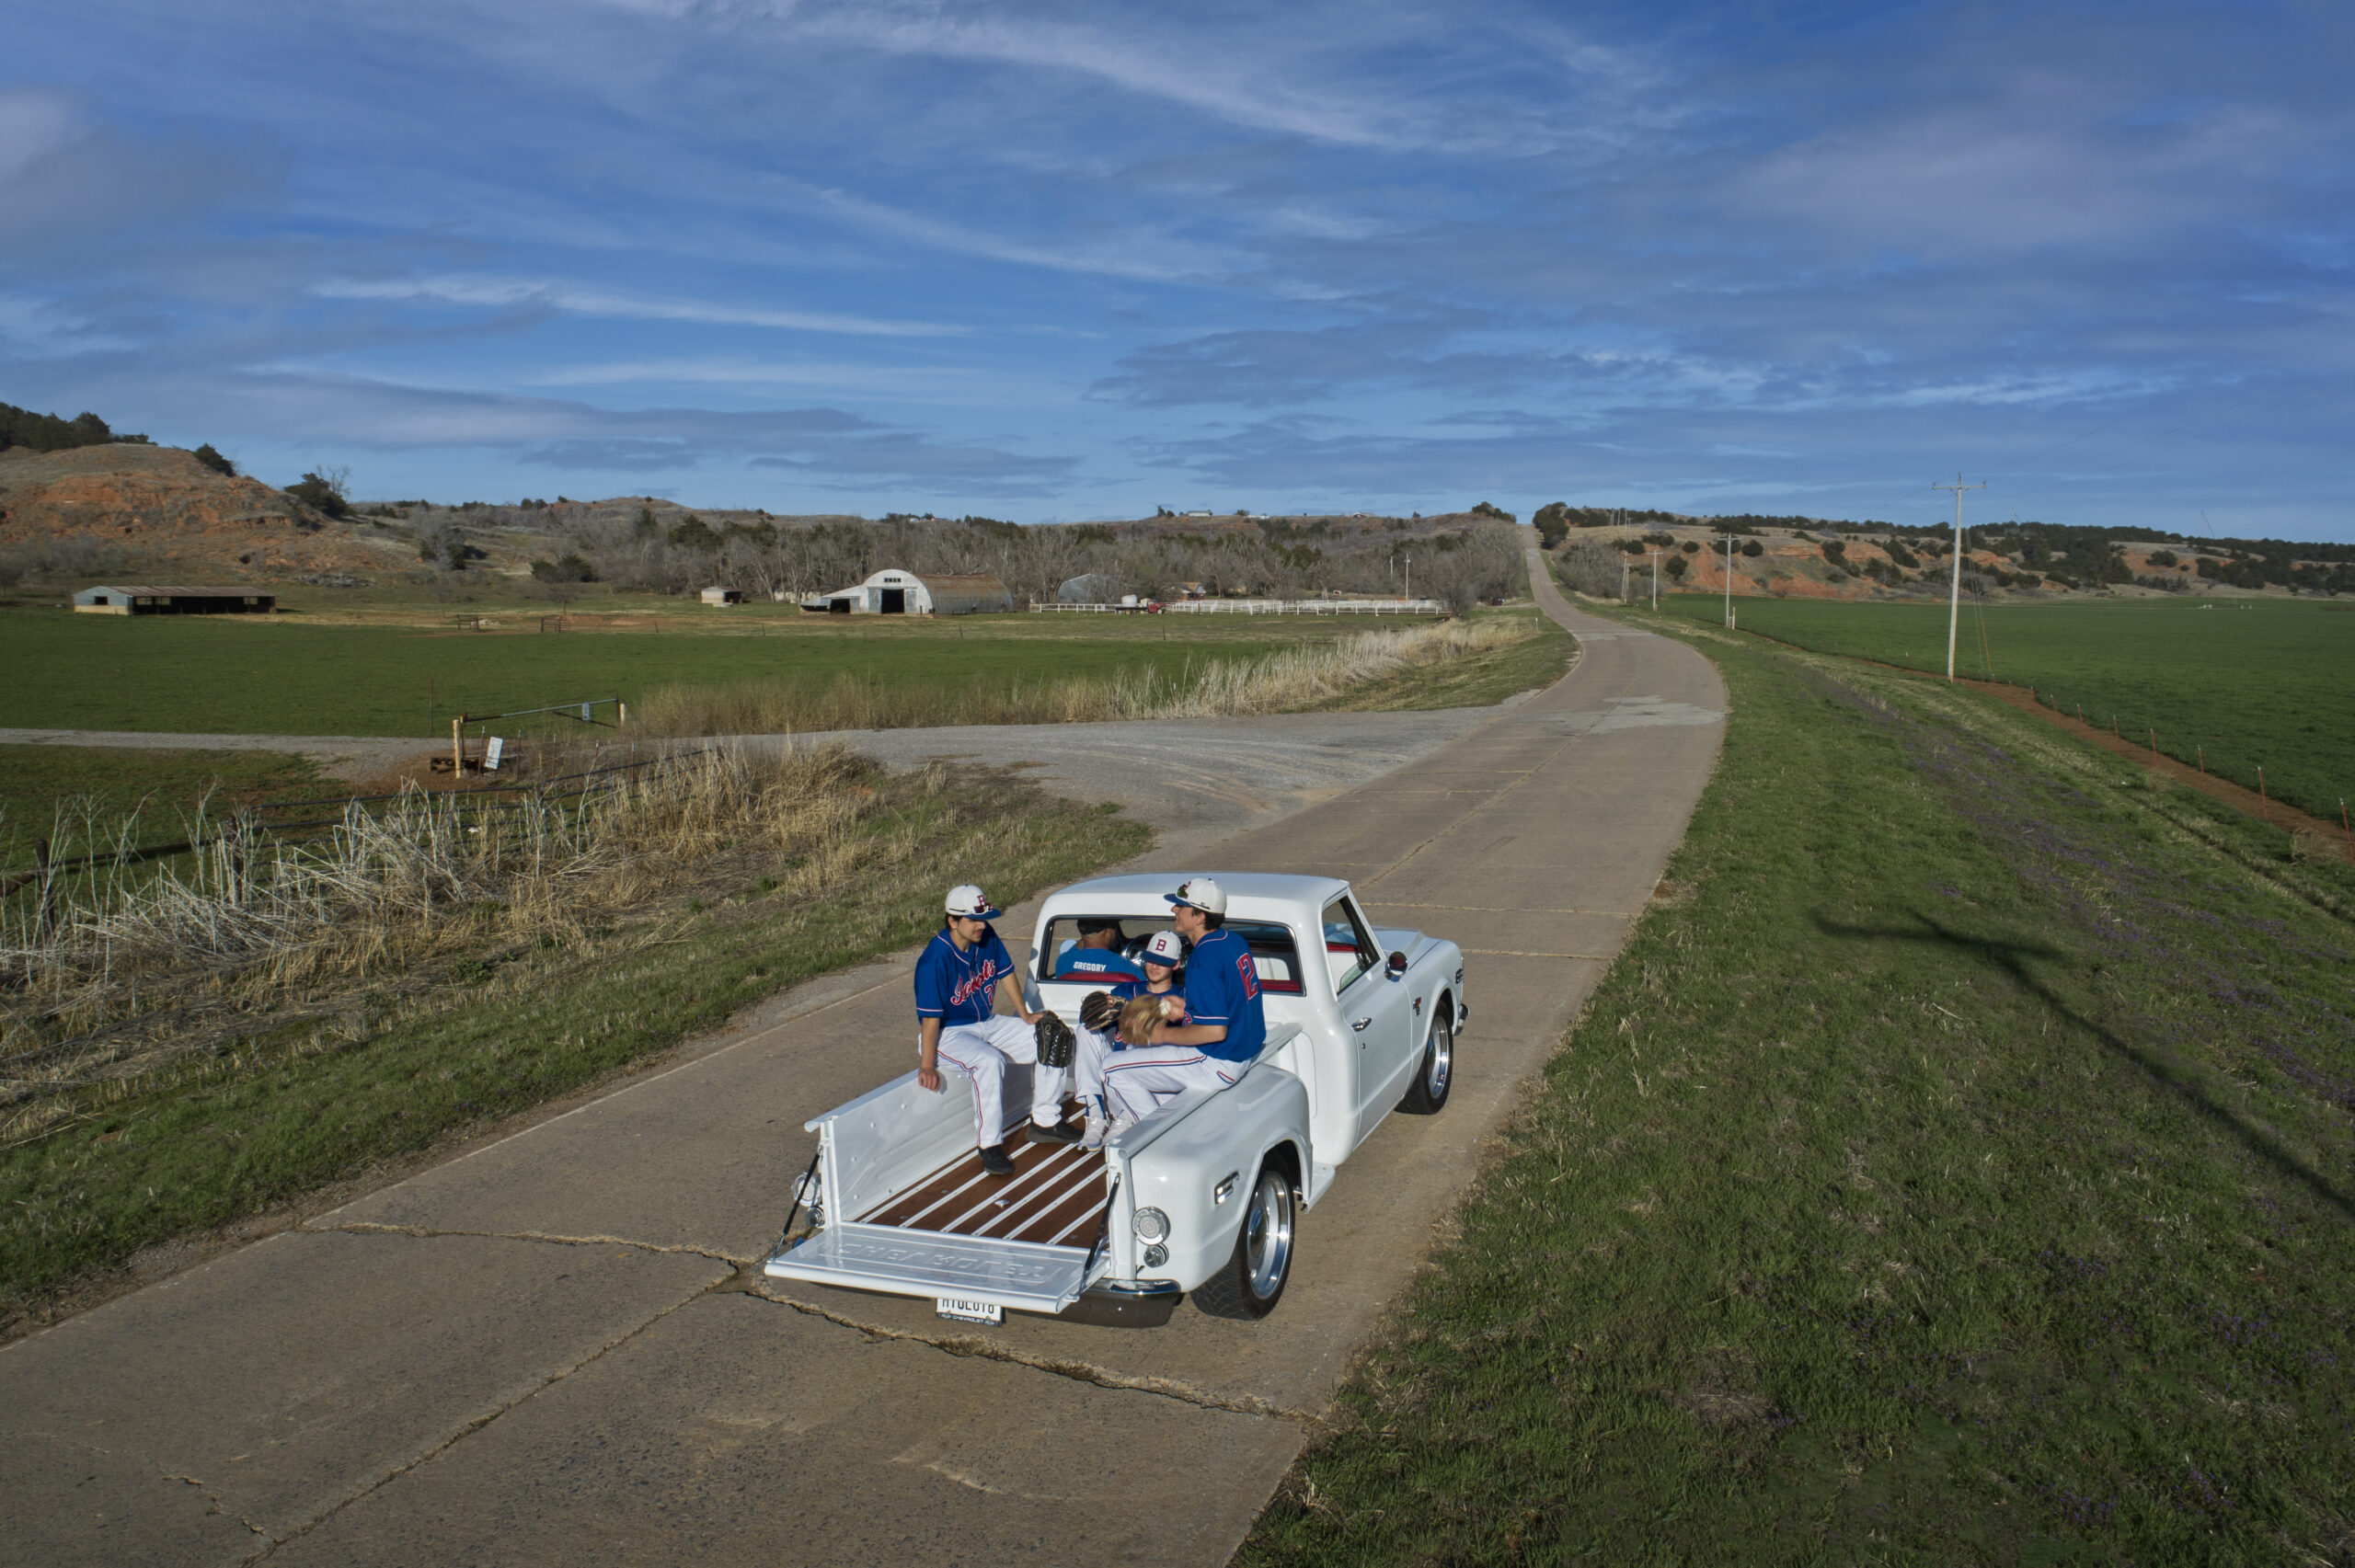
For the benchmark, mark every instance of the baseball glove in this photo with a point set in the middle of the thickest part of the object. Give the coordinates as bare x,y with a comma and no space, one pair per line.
1100,1011
1055,1041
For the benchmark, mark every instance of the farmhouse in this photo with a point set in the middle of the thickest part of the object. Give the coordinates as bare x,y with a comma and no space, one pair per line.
151,600
893,592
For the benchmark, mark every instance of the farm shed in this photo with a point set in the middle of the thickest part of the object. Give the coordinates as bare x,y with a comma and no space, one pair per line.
151,600
723,596
1094,587
892,592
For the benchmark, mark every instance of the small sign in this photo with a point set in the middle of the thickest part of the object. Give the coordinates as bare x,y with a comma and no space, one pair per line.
968,1312
492,754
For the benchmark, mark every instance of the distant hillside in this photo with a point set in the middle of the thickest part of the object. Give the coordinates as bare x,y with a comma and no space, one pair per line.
1810,558
129,507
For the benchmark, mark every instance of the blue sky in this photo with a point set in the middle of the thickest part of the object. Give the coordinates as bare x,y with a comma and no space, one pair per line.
1050,262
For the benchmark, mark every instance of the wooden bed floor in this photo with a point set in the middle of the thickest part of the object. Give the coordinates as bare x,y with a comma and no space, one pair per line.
1055,1195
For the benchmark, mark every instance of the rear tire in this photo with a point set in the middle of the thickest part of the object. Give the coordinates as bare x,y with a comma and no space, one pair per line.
1253,1280
1436,1074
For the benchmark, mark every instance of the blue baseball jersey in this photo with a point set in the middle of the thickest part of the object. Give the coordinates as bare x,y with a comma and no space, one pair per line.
960,987
1097,964
1222,987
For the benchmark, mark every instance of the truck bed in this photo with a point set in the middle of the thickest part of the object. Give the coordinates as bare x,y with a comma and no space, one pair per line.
1055,1197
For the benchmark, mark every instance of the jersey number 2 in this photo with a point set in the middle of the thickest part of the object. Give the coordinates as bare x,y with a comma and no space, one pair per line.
1250,974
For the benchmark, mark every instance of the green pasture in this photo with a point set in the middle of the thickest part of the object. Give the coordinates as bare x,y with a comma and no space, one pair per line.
234,675
2256,682
1956,1168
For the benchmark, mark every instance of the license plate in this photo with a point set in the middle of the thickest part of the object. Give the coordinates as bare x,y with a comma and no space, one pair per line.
968,1312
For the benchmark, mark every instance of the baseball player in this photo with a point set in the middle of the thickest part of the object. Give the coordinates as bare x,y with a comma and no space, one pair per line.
959,975
1096,956
1225,1023
1098,1034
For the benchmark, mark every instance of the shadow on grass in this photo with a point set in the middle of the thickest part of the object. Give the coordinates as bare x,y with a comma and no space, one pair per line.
2012,958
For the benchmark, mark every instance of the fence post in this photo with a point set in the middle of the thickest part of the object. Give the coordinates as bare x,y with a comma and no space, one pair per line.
458,748
2265,804
2155,748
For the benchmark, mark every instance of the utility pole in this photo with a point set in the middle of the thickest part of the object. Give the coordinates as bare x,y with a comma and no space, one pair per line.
1410,574
1728,579
1654,579
1954,598
1623,578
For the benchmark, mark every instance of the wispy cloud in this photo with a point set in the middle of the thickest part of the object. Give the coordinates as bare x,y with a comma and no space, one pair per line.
577,299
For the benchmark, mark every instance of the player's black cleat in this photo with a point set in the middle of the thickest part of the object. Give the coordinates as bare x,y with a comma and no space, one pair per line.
993,1160
1062,1132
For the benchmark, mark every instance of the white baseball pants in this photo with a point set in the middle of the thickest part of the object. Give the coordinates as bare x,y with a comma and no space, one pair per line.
1139,1079
981,1052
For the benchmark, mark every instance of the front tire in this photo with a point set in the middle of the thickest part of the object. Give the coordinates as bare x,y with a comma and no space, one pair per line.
1253,1280
1436,1074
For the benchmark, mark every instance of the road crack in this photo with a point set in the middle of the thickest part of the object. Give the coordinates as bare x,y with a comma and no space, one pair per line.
545,1238
1077,1371
426,1455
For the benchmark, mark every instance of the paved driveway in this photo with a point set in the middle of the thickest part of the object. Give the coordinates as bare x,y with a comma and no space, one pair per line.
554,1349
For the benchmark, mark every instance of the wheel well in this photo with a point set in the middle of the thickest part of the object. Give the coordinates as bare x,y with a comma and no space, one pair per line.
1285,1157
1444,1008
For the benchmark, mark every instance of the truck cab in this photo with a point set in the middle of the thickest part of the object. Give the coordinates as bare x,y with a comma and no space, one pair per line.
1204,1194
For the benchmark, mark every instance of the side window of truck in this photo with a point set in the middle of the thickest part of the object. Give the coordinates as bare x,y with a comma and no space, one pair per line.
1348,946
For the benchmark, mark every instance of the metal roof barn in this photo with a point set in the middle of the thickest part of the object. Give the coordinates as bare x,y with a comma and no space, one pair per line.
895,593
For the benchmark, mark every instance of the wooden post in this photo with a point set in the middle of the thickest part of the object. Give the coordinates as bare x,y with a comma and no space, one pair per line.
2265,804
2346,828
2155,748
2113,729
2203,761
458,746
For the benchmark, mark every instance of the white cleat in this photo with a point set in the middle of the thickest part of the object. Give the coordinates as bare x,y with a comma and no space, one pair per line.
1095,1135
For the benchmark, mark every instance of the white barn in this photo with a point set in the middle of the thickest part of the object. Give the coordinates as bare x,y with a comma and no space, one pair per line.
895,593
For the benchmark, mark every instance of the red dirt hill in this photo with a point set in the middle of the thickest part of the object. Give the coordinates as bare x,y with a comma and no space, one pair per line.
153,506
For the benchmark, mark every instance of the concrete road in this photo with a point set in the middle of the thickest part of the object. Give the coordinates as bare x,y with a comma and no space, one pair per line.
557,1348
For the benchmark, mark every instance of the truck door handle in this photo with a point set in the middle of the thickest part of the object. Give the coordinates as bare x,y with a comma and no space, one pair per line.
1363,1024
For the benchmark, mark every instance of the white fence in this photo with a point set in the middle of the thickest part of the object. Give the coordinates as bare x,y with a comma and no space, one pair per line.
1258,607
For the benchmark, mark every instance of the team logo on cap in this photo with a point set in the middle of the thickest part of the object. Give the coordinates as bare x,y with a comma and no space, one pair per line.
1201,893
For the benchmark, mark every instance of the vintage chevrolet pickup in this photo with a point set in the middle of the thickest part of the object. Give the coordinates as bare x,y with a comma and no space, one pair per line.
1202,1195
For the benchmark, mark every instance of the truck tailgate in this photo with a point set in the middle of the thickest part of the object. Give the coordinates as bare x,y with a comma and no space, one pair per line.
1027,1276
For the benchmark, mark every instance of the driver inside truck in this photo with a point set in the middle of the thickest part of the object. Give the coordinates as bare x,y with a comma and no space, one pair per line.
1096,956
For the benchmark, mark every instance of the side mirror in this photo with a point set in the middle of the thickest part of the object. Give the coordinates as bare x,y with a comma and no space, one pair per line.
1398,965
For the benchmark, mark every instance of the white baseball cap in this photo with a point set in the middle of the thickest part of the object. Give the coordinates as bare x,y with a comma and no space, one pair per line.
1201,893
971,902
1167,947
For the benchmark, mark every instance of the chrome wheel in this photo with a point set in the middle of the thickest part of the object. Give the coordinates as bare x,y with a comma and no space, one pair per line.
1267,1237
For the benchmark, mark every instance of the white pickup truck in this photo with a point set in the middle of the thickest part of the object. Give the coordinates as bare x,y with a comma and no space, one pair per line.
1200,1196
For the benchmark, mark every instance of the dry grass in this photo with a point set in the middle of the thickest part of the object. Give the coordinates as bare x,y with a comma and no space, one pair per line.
1296,677
130,968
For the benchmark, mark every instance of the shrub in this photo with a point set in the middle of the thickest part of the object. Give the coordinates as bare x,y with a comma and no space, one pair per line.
321,493
1675,566
1753,549
214,461
570,569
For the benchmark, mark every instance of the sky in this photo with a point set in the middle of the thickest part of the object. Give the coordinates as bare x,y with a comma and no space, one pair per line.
1050,262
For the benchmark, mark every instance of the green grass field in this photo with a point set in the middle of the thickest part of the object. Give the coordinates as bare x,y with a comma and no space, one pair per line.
2257,682
279,677
1956,1168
